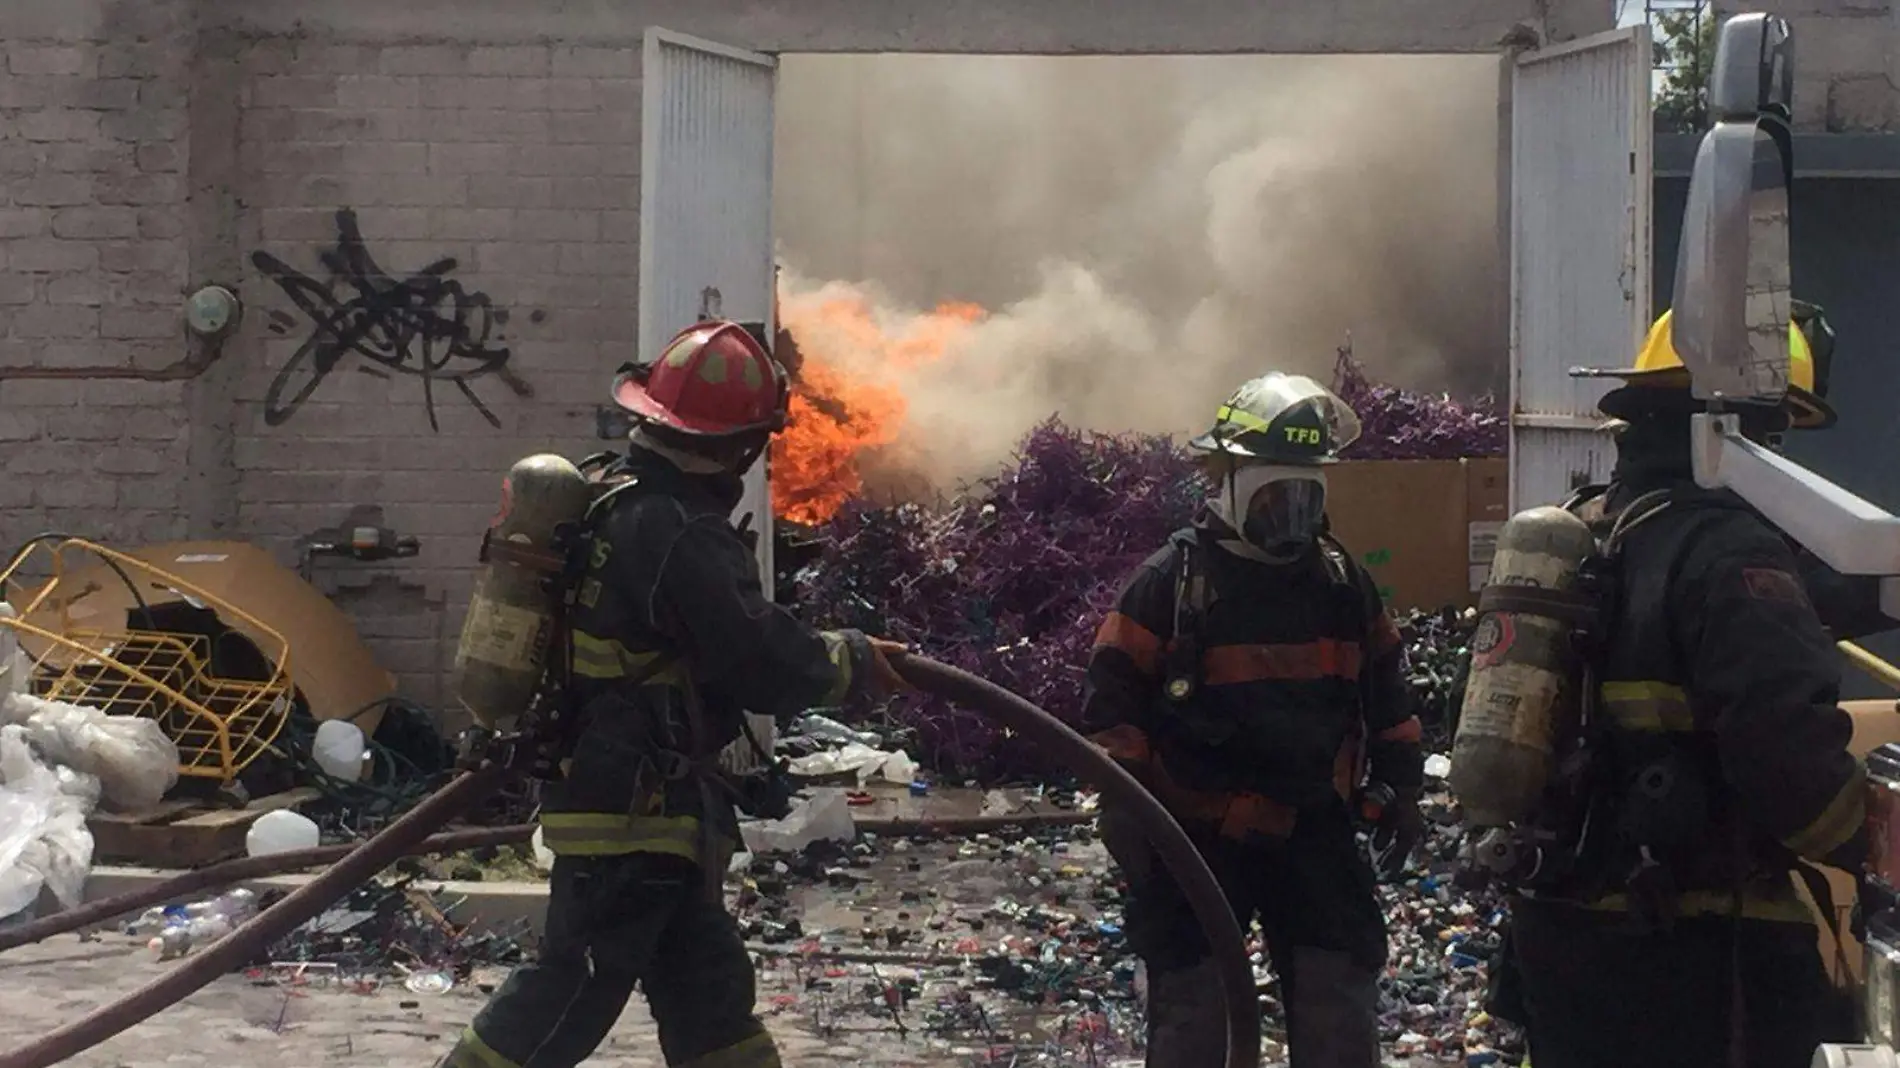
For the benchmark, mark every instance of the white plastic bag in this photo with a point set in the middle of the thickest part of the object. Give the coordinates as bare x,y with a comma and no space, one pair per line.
280,832
134,761
14,667
858,758
543,856
44,842
338,749
826,815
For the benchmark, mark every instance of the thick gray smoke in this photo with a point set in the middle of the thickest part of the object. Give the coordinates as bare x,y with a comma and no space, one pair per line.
1146,232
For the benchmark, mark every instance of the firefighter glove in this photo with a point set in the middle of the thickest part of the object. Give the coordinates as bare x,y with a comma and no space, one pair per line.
1397,828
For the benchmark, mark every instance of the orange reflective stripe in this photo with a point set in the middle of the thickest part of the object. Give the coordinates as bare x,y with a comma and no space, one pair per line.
1138,642
1124,743
1234,815
1409,731
1251,814
1385,636
1327,658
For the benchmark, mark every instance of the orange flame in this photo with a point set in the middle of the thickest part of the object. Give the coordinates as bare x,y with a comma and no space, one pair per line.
848,399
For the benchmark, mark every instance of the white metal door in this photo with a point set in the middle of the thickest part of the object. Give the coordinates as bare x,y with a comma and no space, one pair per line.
1580,250
706,221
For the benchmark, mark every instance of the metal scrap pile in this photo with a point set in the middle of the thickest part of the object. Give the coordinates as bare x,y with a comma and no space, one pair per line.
396,928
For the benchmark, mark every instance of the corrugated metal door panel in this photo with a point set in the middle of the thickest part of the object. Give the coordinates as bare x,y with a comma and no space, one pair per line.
1580,224
1558,460
706,221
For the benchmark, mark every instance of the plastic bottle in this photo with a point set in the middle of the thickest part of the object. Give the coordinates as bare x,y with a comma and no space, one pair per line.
280,832
205,930
238,905
172,942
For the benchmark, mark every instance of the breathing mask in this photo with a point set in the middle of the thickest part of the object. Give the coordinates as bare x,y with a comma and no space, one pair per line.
1278,511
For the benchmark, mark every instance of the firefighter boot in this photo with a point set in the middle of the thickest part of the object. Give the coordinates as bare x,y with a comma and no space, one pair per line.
1187,1021
1332,1010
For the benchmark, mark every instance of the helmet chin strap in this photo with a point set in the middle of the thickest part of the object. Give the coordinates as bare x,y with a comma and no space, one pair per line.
688,462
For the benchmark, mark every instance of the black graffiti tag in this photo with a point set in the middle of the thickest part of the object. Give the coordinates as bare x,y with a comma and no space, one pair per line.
425,326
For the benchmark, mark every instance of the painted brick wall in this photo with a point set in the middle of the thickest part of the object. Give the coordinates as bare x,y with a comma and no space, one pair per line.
520,165
148,146
93,256
1847,65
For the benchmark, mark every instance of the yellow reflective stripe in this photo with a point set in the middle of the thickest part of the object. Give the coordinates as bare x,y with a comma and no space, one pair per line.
597,834
753,1051
1647,706
840,652
1837,822
471,1052
1240,418
604,658
1712,903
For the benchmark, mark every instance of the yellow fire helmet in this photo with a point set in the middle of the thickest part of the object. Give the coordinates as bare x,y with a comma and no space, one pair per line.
1658,365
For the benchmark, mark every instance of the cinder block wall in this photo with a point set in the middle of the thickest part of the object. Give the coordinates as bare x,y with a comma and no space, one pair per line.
94,142
488,152
497,189
1847,65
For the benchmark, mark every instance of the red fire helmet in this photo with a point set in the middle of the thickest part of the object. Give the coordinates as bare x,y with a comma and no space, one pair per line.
713,379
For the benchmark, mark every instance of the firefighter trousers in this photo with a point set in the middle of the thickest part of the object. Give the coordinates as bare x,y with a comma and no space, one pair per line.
614,922
1314,896
1710,993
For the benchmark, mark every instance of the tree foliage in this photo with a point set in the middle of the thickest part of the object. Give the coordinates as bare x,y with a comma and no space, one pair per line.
1685,53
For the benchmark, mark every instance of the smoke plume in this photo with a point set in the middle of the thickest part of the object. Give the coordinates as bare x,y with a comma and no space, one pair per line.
1145,233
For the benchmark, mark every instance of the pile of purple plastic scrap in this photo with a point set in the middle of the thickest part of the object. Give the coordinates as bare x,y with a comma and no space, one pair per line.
1011,579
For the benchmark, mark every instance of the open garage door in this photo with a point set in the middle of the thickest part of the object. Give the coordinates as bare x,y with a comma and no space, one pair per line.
1580,250
706,229
706,205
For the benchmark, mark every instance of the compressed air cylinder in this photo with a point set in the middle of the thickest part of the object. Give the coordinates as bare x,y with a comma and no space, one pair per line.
1523,683
499,661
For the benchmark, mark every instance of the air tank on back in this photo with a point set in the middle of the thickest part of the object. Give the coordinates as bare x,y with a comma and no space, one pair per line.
499,661
1522,689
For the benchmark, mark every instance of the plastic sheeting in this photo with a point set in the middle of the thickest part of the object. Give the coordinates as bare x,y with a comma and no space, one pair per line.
44,843
58,762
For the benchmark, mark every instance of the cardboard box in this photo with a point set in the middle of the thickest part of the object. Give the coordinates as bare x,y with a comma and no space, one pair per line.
1425,529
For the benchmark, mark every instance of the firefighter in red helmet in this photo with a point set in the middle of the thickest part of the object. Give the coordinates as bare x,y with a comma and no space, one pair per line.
672,639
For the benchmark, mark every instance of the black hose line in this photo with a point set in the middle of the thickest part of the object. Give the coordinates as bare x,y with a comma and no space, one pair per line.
1183,861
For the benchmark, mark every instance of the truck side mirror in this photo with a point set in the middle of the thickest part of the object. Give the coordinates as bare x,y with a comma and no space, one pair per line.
1753,69
1732,295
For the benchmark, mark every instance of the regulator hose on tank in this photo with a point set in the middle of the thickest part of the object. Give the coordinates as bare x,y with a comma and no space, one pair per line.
1183,861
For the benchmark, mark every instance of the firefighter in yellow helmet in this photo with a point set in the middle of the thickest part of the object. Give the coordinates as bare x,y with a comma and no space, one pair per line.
1659,366
1714,769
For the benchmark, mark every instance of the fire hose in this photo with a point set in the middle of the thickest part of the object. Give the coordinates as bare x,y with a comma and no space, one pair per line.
407,834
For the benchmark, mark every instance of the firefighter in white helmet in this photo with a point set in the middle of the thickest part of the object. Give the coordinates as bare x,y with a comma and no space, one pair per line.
1249,676
671,638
